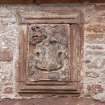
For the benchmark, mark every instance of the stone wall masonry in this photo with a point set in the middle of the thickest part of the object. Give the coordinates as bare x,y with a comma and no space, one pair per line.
94,52
94,49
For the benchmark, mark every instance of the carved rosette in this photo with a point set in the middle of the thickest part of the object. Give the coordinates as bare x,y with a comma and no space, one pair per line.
48,52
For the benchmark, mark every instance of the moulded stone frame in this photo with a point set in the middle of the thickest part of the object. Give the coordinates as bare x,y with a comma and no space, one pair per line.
75,19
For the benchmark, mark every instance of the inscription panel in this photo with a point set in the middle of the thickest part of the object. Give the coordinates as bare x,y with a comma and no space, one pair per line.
48,57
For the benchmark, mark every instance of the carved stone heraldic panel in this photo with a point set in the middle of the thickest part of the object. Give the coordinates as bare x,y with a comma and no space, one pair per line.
48,57
50,54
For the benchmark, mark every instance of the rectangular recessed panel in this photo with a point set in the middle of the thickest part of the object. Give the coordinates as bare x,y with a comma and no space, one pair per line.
50,56
48,52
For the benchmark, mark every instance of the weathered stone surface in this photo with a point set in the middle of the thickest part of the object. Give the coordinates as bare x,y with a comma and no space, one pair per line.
94,51
8,90
95,89
48,52
6,54
95,28
16,1
51,101
99,7
92,74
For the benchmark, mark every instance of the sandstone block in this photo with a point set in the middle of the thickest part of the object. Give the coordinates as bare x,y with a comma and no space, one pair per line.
6,54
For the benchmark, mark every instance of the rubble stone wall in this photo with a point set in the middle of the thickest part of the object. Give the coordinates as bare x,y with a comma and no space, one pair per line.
94,48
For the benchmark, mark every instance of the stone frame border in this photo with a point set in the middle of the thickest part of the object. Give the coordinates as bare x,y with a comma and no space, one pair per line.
72,17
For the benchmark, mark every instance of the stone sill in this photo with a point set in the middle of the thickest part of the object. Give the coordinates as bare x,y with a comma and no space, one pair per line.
51,101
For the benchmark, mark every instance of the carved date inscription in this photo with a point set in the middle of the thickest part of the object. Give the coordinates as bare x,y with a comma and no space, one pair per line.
48,52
